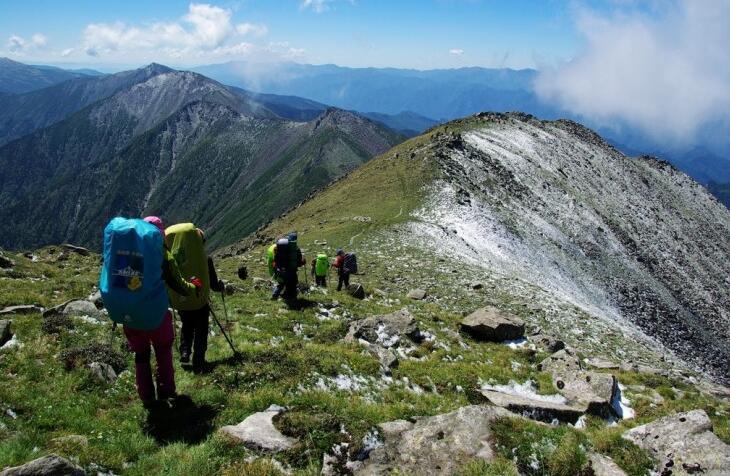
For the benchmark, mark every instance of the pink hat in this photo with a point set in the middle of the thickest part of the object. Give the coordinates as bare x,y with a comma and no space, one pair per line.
157,221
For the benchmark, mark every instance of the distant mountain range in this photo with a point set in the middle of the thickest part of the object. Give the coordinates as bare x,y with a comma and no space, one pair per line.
156,140
19,78
419,99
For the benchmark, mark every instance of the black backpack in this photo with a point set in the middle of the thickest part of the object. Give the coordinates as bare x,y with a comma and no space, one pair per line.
281,255
350,263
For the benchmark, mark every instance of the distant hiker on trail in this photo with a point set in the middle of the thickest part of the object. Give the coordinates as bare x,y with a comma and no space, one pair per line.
320,267
287,261
345,264
187,245
137,267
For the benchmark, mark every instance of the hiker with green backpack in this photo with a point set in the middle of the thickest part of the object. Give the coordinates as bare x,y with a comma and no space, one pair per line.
187,245
137,270
320,267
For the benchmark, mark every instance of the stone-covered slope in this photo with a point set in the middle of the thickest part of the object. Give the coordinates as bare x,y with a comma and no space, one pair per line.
549,206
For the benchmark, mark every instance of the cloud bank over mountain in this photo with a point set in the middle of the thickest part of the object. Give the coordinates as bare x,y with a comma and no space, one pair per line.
666,74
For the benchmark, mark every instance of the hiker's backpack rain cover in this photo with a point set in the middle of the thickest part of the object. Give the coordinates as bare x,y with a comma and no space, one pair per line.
131,283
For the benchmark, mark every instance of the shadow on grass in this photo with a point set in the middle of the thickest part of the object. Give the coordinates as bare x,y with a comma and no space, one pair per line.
300,304
180,420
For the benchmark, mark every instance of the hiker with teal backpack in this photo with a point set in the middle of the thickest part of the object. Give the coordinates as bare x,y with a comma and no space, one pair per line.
137,270
187,245
320,267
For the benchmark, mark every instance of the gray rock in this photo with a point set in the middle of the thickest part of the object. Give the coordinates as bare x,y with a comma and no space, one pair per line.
257,432
387,358
56,310
103,373
356,291
593,390
387,330
683,444
22,309
603,465
434,445
547,342
417,294
492,324
536,409
96,300
76,249
5,332
50,465
601,363
81,308
5,262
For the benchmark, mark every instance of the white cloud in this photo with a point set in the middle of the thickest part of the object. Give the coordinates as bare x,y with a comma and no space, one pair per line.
318,6
205,29
251,29
456,51
67,52
668,75
19,45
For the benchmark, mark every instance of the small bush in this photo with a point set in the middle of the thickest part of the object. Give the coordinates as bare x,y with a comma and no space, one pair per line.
624,453
56,323
498,467
81,356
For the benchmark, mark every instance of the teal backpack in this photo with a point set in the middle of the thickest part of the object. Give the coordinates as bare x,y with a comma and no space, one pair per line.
131,282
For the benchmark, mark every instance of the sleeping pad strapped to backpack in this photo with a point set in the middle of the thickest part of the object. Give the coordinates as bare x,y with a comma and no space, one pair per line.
131,283
186,245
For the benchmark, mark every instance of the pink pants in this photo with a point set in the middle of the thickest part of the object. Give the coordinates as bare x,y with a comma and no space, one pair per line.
161,339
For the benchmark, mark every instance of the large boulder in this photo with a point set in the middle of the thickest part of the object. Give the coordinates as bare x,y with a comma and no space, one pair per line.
81,307
544,410
492,324
417,294
356,291
50,465
603,465
595,391
5,262
22,309
5,333
387,330
76,249
433,445
257,432
683,444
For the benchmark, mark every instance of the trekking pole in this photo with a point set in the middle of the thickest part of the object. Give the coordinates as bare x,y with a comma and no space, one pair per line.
225,309
228,339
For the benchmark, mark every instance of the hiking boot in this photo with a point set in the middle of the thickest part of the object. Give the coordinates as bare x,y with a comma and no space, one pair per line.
184,357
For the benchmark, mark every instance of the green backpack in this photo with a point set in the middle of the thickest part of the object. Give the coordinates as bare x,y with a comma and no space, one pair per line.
270,259
186,245
321,265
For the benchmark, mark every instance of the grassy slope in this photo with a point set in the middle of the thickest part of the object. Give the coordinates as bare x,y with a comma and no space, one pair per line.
286,352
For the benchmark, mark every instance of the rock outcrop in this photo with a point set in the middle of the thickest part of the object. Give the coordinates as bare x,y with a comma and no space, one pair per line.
683,444
5,332
50,465
433,445
21,309
387,330
492,324
257,432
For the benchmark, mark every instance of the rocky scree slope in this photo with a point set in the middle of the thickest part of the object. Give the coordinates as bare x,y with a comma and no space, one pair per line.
546,210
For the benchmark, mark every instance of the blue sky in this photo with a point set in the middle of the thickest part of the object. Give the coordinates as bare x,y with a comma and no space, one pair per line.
410,33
